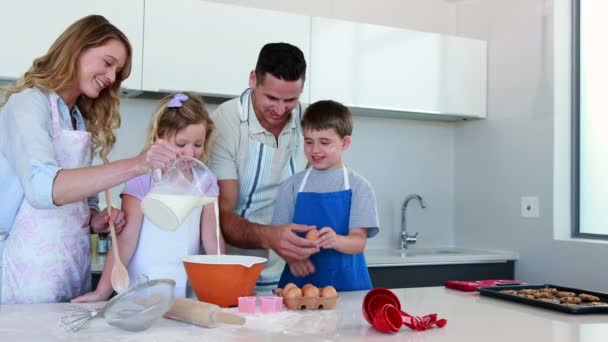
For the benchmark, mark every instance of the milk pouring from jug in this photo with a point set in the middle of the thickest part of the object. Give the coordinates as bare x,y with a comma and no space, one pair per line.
186,185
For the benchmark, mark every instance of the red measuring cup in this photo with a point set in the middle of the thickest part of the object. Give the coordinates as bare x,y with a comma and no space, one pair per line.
382,309
388,319
386,297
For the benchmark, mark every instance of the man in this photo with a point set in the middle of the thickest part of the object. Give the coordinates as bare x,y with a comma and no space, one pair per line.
258,145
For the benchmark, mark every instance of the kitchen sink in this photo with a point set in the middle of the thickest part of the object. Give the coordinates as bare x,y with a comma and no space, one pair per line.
426,251
425,255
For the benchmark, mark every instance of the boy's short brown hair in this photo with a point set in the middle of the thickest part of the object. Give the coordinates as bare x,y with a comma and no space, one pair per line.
327,114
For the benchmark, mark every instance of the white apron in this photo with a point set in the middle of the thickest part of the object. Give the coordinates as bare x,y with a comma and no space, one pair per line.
262,168
159,252
47,257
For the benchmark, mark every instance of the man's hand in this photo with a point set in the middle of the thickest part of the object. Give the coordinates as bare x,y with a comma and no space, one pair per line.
301,268
284,241
100,223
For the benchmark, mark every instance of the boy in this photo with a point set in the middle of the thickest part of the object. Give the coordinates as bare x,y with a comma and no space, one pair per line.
339,202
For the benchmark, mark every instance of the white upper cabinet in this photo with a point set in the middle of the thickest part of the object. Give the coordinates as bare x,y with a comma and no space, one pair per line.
31,26
210,48
379,68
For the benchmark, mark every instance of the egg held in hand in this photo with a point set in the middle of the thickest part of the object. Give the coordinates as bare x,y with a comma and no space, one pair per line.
312,235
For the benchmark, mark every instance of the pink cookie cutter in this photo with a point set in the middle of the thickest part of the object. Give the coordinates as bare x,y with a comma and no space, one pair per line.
271,304
247,305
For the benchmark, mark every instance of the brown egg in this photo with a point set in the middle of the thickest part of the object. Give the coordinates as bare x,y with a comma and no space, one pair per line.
312,235
288,286
293,292
309,290
329,291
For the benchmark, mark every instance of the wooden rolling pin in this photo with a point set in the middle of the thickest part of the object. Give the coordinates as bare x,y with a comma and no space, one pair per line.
201,313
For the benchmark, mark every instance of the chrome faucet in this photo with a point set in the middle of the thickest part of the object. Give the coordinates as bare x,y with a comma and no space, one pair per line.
405,237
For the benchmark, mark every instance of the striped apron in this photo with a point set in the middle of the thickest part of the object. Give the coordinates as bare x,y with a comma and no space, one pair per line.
262,168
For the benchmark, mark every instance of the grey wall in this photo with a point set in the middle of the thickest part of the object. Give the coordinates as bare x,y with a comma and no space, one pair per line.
401,157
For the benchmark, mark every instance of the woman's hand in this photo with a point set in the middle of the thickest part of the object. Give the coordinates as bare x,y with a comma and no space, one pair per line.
100,223
157,156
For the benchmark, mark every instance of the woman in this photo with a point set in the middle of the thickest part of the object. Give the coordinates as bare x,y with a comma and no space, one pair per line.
51,123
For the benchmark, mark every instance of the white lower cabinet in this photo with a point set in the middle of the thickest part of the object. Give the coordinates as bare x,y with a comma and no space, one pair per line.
31,26
384,68
210,48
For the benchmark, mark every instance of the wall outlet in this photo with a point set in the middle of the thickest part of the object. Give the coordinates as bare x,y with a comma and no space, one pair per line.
530,207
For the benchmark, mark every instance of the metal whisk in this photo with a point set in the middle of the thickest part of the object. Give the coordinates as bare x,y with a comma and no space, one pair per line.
133,310
79,316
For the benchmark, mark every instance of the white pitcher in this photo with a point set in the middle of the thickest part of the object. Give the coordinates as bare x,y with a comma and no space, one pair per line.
187,184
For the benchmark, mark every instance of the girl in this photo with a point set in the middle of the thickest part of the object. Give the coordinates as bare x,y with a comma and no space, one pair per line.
52,121
183,121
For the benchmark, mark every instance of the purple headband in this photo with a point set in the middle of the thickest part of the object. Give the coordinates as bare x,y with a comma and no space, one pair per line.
177,100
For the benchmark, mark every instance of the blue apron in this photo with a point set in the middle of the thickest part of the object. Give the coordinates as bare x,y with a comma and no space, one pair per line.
345,272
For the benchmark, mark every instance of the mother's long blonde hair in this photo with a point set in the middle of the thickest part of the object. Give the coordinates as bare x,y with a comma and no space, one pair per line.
57,69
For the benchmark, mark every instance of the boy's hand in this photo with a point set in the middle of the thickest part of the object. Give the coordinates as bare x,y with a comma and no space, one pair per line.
301,268
327,238
100,223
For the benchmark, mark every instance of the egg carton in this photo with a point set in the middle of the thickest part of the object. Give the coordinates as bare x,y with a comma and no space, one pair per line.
308,303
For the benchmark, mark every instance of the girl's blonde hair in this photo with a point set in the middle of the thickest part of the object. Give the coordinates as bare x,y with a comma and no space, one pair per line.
167,121
58,69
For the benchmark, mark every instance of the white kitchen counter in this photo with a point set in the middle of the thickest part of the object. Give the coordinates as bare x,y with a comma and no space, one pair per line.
470,318
435,256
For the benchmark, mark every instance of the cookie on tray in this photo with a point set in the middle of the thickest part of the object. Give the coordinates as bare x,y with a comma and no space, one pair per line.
543,294
551,290
570,300
528,291
529,296
588,298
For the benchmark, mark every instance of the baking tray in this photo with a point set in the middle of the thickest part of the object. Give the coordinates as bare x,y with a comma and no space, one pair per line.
583,308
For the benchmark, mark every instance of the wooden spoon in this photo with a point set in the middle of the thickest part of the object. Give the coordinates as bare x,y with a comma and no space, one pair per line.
120,276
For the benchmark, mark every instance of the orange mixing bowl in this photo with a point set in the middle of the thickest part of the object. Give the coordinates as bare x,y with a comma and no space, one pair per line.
221,279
